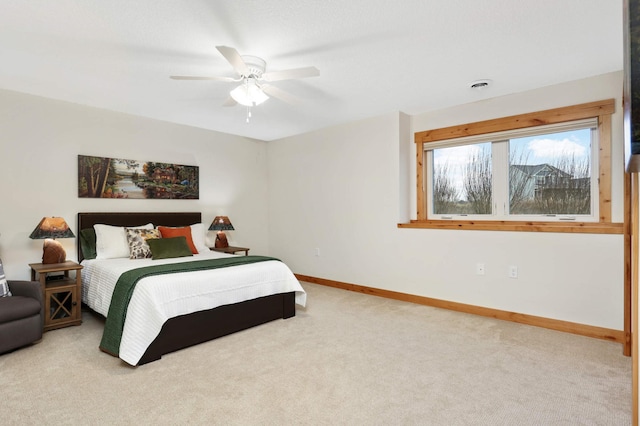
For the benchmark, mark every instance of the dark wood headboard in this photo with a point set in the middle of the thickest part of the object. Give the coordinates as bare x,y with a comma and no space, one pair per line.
87,220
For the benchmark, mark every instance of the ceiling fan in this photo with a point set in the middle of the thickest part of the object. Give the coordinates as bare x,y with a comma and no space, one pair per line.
254,82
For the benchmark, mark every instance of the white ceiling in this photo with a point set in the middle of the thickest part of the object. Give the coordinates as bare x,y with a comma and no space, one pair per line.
375,56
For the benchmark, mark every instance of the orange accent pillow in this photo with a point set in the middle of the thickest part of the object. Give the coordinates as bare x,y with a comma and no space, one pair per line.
168,232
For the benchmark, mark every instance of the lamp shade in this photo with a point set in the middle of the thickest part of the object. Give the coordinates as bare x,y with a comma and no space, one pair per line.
221,223
51,227
48,229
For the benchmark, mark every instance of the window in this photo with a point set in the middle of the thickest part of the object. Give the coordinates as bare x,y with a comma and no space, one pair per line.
547,171
461,180
540,173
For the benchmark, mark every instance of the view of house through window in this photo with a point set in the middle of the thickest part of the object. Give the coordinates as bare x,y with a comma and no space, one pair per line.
551,174
536,172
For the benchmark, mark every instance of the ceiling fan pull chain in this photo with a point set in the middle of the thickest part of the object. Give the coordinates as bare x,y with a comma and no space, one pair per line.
248,113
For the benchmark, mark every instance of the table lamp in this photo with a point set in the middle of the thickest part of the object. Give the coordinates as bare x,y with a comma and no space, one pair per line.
221,224
49,229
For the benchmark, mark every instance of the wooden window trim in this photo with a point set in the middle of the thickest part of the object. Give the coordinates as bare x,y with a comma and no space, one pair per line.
600,109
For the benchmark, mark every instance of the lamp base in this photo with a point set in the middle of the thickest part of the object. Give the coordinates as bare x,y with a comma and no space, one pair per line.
52,252
221,240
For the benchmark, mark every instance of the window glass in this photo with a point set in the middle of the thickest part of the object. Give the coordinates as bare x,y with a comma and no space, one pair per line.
531,174
550,174
461,183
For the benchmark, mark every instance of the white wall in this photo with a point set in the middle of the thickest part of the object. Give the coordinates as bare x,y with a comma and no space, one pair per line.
41,139
339,190
342,190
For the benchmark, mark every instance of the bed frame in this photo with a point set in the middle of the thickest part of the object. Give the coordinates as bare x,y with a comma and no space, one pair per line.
188,330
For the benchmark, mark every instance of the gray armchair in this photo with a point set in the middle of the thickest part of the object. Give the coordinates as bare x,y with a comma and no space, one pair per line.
21,315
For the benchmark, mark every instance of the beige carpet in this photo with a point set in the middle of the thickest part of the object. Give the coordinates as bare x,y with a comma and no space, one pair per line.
347,358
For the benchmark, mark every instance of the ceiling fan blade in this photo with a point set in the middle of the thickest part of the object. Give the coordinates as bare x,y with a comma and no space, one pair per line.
291,74
229,102
188,77
277,93
234,59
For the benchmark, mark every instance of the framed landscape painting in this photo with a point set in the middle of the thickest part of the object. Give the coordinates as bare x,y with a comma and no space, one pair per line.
104,177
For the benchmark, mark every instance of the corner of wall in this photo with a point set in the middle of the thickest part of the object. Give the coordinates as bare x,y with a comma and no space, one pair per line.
404,167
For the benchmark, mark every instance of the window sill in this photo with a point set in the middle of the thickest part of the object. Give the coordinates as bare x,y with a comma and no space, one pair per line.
498,225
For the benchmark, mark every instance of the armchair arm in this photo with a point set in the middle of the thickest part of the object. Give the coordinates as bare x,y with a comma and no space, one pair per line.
26,288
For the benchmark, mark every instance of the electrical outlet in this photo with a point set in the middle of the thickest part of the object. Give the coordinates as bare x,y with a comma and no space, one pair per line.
317,251
479,268
513,271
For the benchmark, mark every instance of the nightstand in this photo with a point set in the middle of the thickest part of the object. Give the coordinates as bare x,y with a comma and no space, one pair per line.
61,293
231,250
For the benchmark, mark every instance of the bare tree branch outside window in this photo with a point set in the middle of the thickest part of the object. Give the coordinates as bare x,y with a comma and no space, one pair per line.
445,193
570,191
477,181
518,182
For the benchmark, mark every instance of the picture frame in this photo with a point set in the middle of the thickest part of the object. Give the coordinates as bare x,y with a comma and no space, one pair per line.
106,177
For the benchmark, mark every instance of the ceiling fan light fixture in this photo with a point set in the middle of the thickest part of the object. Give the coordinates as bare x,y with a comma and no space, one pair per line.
248,93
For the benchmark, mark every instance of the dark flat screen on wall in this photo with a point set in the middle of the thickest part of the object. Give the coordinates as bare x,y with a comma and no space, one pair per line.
632,84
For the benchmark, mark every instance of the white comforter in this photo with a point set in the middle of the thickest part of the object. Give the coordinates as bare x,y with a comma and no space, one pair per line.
160,297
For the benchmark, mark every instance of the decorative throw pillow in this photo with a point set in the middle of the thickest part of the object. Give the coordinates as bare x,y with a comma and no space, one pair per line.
88,243
111,241
4,286
185,231
166,248
137,239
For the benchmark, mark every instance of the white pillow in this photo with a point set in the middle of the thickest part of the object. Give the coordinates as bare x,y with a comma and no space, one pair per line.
111,241
4,285
198,237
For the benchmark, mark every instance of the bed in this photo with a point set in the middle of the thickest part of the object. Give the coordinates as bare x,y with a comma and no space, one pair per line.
195,326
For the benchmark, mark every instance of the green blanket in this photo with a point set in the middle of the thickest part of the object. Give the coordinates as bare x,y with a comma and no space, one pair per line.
123,291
